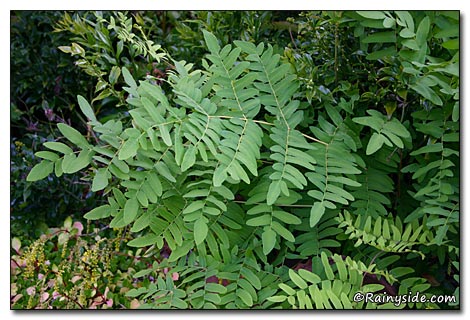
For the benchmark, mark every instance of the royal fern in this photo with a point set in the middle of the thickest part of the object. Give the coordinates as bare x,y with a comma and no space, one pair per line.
222,168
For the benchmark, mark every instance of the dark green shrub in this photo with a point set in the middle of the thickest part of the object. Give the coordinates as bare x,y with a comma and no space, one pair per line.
261,192
43,83
73,267
31,208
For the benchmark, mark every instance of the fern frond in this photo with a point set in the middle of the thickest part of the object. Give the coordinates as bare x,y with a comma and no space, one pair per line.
240,146
203,291
238,102
335,168
371,197
202,133
163,295
238,96
204,202
330,285
272,220
165,222
244,282
276,87
386,234
435,170
288,152
311,241
276,83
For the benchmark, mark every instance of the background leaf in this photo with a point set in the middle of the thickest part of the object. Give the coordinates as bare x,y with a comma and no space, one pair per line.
86,108
269,240
375,143
200,230
100,212
130,210
40,171
100,181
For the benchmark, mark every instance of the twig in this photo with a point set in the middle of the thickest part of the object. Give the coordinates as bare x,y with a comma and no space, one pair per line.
71,299
281,205
373,259
270,124
292,38
314,139
230,117
94,232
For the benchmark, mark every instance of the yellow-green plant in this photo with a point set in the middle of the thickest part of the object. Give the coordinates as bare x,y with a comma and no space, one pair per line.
227,181
69,269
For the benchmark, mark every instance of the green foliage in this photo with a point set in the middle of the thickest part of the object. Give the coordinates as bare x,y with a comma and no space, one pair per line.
227,26
235,173
67,268
388,235
103,43
43,86
329,286
31,209
411,91
43,92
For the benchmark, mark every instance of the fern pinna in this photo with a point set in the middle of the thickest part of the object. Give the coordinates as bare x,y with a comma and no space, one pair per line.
227,173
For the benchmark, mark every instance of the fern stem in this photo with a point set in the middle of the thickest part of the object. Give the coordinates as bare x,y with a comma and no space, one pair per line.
245,119
280,205
314,139
336,53
264,122
269,124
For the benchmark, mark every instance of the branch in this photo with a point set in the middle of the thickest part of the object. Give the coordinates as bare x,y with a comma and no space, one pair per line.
280,205
269,124
314,139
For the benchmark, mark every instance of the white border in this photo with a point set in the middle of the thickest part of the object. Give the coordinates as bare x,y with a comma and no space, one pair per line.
214,5
236,5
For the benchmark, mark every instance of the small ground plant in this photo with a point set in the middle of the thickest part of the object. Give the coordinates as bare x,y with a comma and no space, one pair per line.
255,182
